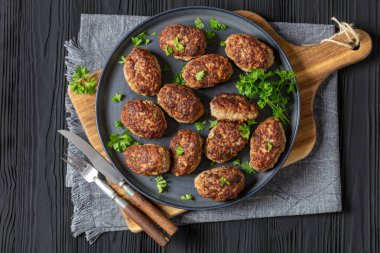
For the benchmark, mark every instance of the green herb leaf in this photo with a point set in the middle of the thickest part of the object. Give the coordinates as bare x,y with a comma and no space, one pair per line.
187,197
200,75
251,122
140,39
198,23
224,181
118,124
122,142
210,37
117,97
81,83
245,131
222,43
178,79
178,46
161,184
153,34
268,88
166,68
200,125
168,50
213,123
270,145
212,164
122,60
179,150
216,25
244,165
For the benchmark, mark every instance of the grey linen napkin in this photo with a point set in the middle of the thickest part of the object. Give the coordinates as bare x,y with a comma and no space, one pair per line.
307,187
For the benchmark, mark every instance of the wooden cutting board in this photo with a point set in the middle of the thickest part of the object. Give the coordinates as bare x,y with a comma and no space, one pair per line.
312,65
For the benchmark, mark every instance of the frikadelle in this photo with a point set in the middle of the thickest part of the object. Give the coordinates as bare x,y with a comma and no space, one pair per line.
307,187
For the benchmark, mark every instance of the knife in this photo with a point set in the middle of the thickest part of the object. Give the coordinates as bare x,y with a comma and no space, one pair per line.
105,168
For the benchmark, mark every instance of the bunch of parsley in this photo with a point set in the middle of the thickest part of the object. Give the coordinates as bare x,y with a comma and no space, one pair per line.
269,90
81,83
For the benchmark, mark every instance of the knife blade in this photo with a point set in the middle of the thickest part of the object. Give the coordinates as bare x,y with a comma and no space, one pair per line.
105,168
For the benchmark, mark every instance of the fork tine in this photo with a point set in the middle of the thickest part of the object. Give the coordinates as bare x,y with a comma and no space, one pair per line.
76,167
79,160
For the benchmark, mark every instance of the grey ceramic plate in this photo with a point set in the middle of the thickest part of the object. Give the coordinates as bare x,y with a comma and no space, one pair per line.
112,81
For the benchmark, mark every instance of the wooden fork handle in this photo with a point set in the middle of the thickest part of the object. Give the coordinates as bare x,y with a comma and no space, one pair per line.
150,209
145,223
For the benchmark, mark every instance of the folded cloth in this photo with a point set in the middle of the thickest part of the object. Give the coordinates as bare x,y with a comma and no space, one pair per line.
307,187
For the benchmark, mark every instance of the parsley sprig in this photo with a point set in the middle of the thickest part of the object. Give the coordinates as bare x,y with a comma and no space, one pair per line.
200,125
216,25
187,197
179,150
178,79
121,142
269,89
161,184
244,165
224,181
210,37
140,39
81,82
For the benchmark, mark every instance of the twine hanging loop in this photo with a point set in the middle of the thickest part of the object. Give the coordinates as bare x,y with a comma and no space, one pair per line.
348,30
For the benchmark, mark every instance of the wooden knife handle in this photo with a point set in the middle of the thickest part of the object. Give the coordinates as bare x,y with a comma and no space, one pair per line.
147,225
149,209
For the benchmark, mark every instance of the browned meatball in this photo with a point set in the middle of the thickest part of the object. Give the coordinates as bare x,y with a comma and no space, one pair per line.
186,148
183,42
180,102
143,118
207,71
220,184
233,107
224,142
248,52
147,159
267,144
142,72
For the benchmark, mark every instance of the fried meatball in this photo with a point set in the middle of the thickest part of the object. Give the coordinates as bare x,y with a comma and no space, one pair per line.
224,142
180,102
143,118
267,144
248,52
186,148
142,72
147,159
207,71
183,42
220,184
233,107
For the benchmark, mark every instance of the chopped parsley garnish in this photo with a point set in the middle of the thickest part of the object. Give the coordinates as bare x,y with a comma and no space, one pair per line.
168,50
117,97
140,39
212,164
213,123
224,181
199,76
179,150
222,43
166,68
161,184
270,145
187,197
120,142
198,23
178,46
122,60
251,122
81,82
200,125
178,78
118,124
245,166
153,34
210,37
257,83
216,25
245,131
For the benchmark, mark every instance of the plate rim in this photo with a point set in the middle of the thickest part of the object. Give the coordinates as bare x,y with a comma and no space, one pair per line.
97,109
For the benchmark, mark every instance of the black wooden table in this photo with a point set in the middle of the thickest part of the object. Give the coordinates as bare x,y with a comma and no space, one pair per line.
35,207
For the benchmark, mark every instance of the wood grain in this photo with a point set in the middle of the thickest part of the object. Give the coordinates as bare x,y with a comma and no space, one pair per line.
35,208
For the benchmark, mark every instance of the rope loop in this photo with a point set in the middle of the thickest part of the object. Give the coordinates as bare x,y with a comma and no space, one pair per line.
348,30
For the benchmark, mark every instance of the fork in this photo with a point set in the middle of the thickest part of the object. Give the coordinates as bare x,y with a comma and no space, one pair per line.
90,174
